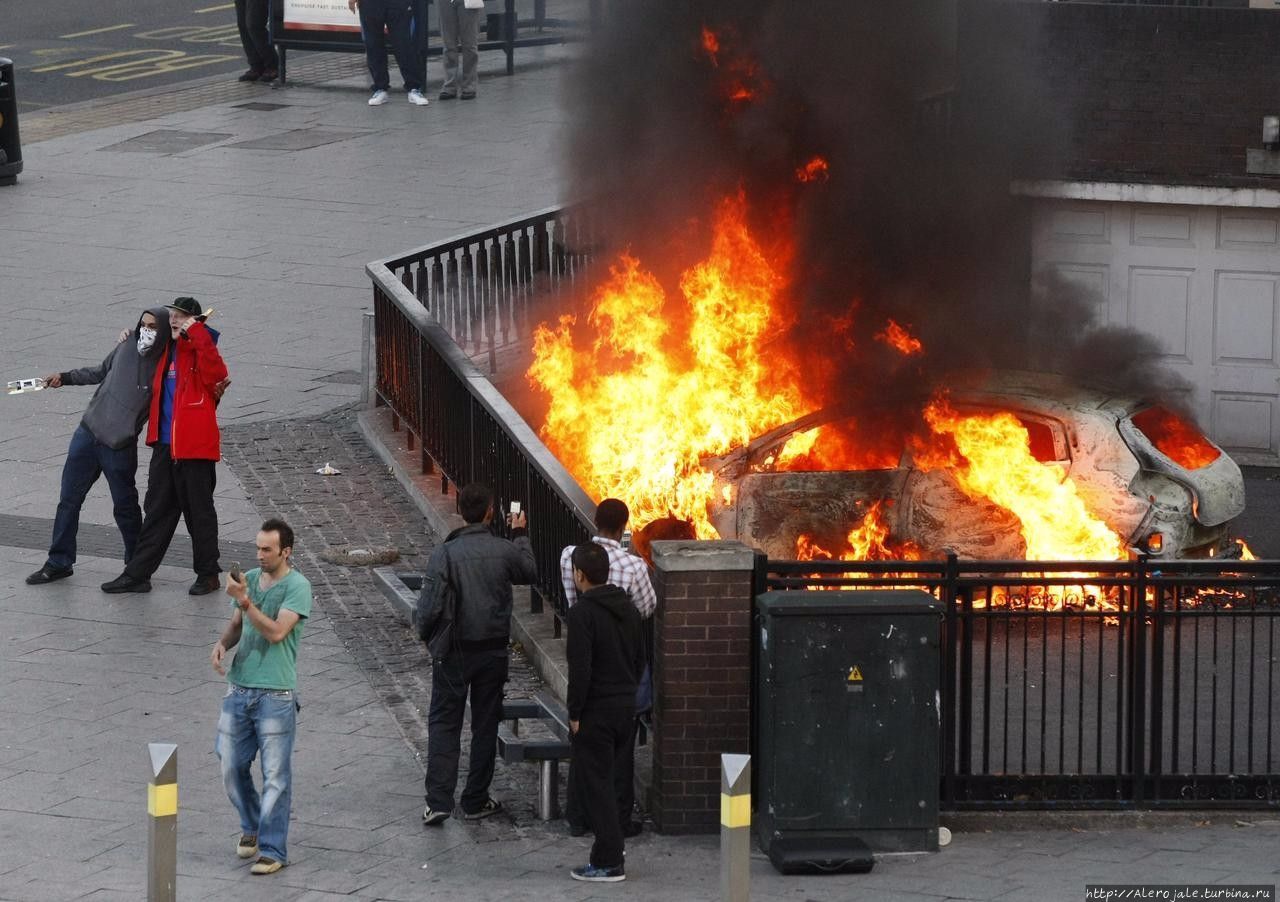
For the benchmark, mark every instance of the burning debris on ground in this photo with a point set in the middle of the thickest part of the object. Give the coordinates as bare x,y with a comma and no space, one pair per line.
792,235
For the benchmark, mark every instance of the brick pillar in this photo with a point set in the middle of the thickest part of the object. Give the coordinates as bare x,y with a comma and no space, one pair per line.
702,677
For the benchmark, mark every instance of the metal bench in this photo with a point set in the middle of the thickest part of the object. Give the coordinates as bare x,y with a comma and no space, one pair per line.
547,751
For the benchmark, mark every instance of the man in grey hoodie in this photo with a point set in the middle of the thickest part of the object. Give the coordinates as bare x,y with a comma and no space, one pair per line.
106,441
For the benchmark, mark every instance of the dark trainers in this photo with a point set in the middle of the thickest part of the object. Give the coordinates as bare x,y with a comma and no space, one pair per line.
265,865
431,817
247,847
251,75
490,806
204,585
47,574
126,583
269,75
592,874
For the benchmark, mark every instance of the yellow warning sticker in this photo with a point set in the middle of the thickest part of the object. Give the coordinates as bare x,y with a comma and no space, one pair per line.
855,674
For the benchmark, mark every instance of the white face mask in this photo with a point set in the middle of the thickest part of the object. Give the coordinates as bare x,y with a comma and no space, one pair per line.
146,338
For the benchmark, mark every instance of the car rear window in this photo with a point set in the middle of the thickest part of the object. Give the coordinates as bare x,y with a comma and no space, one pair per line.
1176,438
1040,436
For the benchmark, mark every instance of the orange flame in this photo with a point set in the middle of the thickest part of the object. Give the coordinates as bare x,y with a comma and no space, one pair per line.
994,462
813,171
711,44
900,339
665,384
1175,438
867,541
1245,553
665,377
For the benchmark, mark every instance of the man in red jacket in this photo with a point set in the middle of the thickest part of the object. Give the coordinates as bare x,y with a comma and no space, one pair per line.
185,446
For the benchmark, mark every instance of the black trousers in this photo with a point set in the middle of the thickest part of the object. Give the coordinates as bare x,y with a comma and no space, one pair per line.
482,674
177,488
394,16
601,741
624,785
251,19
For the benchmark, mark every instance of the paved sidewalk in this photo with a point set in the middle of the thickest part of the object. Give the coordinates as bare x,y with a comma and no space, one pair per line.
269,215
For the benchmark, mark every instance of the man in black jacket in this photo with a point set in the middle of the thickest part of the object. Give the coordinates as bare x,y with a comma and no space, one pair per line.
482,568
605,651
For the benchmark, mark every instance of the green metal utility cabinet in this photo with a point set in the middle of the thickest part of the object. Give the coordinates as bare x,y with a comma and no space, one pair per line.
846,727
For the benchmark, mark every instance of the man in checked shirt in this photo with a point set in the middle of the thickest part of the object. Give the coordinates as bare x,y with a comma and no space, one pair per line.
631,574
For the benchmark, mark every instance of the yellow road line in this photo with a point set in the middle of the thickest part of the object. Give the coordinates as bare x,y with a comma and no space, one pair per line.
7,46
214,9
81,34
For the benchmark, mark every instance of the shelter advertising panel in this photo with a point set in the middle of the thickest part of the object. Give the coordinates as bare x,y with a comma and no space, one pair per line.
320,15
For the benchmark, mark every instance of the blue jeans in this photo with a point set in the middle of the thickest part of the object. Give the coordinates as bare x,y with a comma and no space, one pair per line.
253,721
87,459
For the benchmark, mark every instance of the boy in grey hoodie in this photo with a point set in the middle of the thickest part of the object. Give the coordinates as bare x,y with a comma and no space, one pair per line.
106,441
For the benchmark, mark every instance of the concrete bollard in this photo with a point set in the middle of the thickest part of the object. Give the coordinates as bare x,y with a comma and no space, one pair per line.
735,828
162,834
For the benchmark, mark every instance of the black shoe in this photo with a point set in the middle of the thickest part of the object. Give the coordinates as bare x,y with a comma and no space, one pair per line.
632,828
433,818
47,574
448,95
126,583
471,96
269,75
251,75
205,584
490,807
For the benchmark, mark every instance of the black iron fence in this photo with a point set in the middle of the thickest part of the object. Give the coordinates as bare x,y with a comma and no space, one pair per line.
1109,685
474,294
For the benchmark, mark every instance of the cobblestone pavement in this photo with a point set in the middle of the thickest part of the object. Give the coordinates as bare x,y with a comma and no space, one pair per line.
363,507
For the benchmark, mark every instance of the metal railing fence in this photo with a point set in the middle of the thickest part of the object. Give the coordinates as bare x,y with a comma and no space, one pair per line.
475,292
1074,684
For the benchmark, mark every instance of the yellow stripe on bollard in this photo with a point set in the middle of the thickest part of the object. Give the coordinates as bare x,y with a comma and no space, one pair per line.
162,801
735,828
735,811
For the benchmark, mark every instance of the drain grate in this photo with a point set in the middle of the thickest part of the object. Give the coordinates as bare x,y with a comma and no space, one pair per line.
167,141
261,107
297,139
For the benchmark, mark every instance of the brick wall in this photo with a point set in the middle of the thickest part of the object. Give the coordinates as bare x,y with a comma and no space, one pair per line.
1130,93
702,673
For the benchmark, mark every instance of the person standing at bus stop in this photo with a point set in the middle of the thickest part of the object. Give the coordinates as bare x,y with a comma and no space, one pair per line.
378,20
251,20
460,34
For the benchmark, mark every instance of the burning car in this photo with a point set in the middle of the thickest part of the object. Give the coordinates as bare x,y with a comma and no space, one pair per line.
1148,479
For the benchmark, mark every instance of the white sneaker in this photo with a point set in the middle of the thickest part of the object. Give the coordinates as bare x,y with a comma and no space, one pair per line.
417,99
378,98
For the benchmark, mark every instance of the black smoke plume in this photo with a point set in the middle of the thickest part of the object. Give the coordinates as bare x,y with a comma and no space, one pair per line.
924,116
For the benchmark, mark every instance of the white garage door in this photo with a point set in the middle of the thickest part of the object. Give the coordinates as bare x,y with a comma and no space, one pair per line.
1204,281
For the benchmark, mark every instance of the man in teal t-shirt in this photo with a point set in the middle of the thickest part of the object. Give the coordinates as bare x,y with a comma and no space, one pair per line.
259,711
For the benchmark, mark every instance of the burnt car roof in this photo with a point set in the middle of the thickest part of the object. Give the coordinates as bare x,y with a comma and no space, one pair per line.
1048,394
